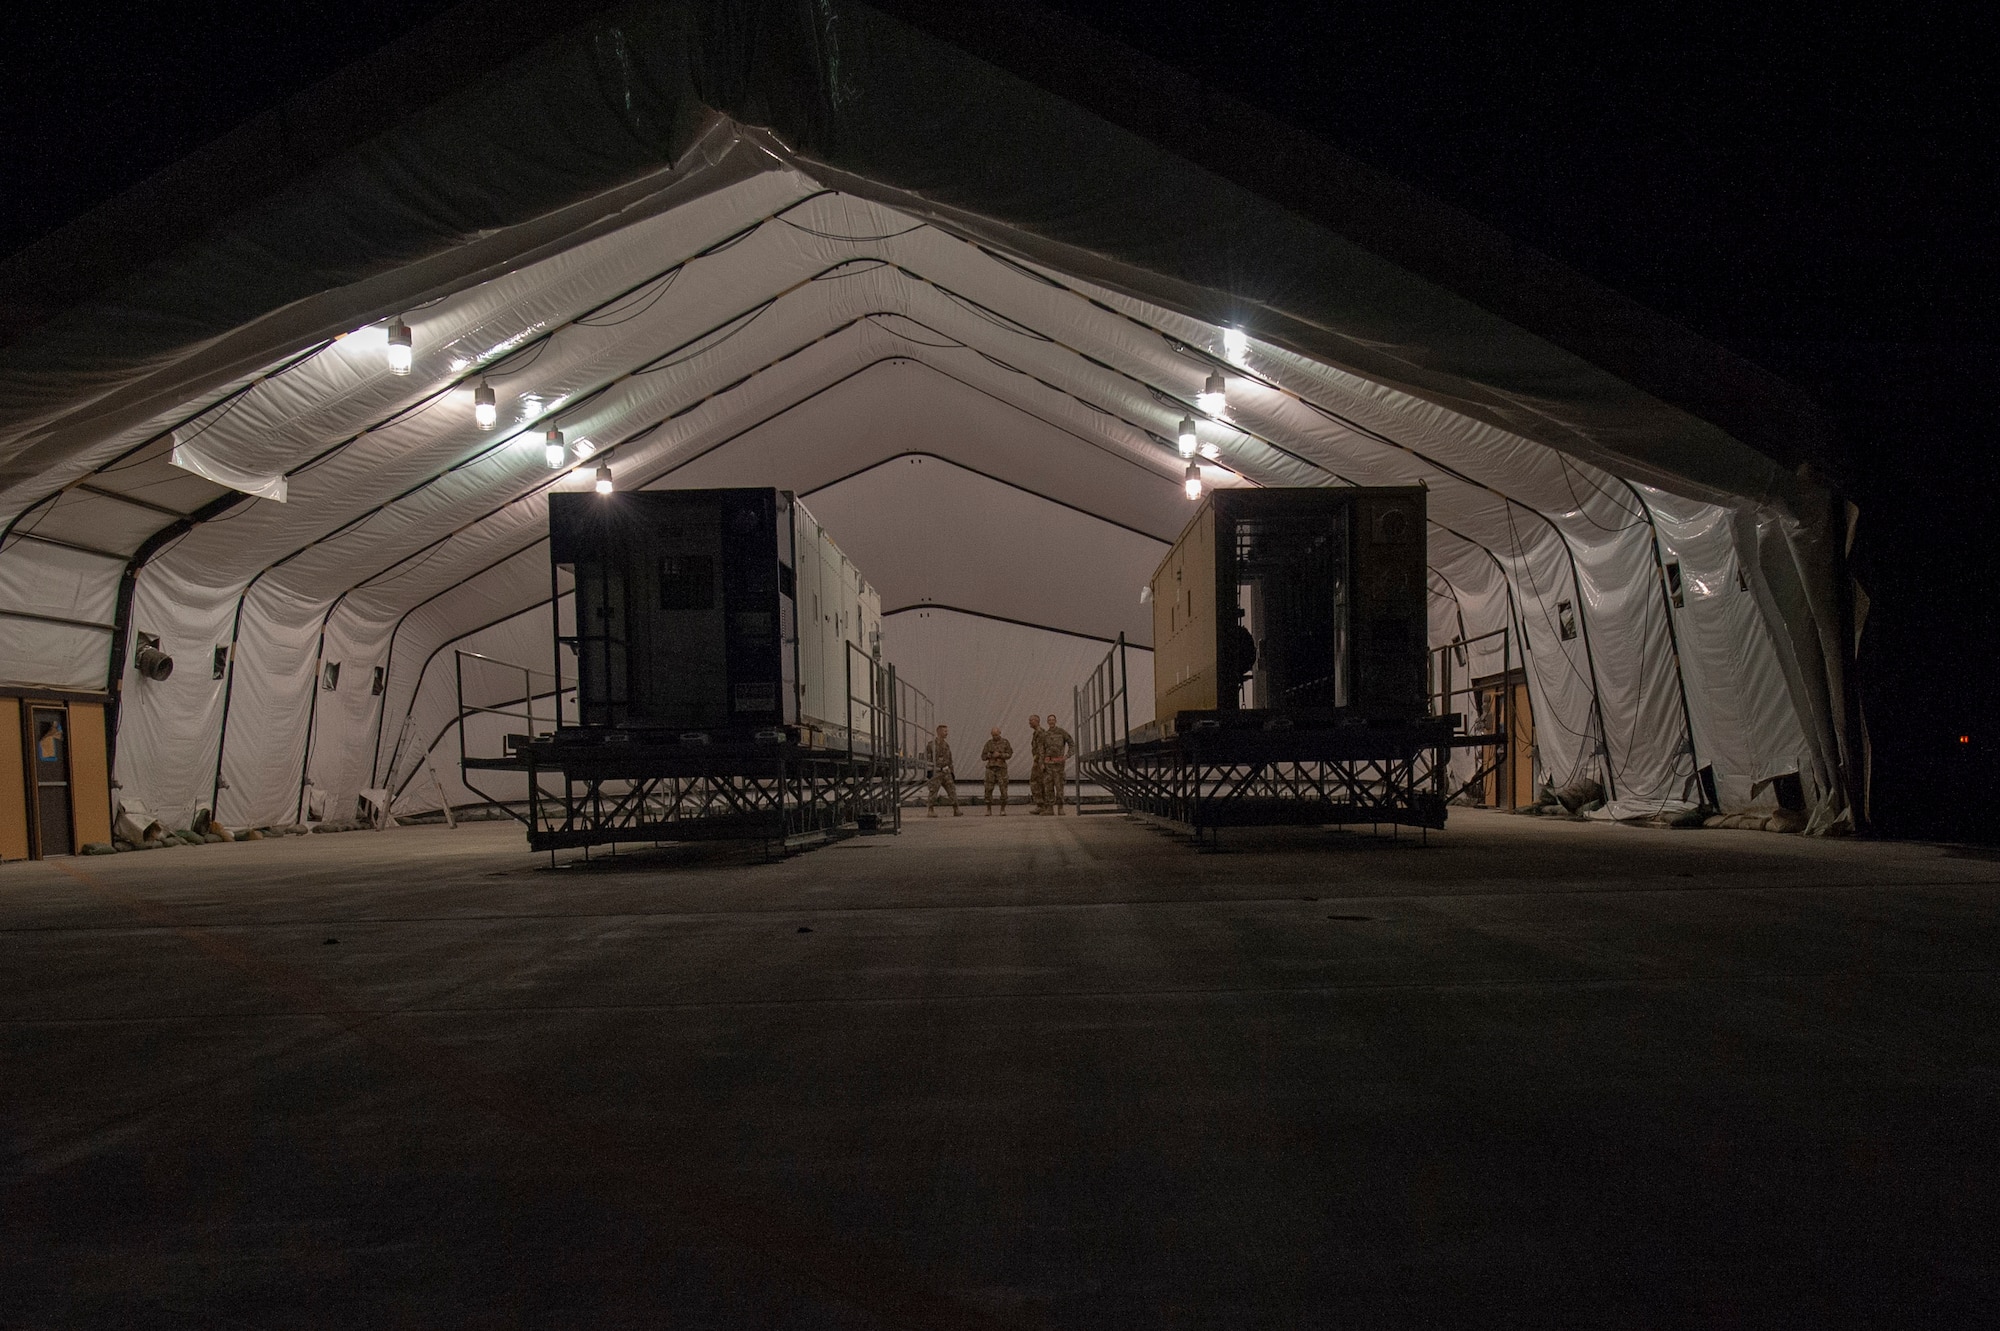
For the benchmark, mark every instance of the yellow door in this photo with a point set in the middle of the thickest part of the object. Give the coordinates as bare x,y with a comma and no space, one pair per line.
1511,782
89,774
13,783
1521,750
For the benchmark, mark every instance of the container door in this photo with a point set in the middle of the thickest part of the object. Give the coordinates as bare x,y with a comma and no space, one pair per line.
48,758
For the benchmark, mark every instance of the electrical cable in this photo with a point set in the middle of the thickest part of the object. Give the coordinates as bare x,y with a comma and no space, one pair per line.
855,268
1581,511
742,322
991,316
626,313
533,354
854,240
942,346
229,402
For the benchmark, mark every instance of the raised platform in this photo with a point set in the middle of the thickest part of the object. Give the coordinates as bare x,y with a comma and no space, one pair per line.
1209,770
785,785
597,788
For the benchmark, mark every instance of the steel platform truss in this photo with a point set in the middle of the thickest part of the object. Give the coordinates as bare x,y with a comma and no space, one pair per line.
1211,770
786,799
785,787
1196,793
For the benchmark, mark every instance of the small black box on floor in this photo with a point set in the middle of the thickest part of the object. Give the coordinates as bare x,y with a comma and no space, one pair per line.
1309,602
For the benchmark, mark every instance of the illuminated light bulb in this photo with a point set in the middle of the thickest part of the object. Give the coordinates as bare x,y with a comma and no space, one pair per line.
401,349
604,479
583,448
485,407
1187,437
1235,344
1193,484
1213,399
553,451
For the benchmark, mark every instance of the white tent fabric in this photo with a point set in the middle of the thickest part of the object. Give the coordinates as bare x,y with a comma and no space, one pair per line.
988,433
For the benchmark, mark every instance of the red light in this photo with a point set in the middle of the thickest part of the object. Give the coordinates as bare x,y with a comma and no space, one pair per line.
1965,739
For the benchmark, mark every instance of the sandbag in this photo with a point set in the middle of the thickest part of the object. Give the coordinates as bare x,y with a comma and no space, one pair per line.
135,824
1584,790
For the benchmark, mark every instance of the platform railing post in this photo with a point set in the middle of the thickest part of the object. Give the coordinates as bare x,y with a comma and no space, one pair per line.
1125,689
1504,717
895,755
458,668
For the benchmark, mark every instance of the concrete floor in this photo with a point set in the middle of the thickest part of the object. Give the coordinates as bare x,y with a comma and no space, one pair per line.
1020,1073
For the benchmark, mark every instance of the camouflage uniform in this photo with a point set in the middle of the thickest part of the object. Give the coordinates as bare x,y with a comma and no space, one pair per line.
1037,786
1035,738
999,751
938,754
1056,745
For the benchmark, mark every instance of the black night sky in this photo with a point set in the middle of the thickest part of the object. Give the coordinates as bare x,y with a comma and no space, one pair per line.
1812,187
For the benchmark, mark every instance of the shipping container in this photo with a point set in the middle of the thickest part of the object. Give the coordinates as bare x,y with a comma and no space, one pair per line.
712,611
1306,601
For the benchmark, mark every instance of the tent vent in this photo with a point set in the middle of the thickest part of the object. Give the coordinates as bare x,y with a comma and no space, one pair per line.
151,662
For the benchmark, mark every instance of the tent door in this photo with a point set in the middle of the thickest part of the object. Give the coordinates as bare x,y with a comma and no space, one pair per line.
1511,783
15,840
55,786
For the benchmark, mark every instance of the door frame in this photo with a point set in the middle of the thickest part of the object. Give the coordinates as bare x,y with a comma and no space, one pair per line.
1511,783
31,698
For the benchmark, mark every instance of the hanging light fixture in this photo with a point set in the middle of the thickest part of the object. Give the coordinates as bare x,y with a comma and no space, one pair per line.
1188,442
1235,345
1212,399
604,478
485,407
1193,481
553,451
401,349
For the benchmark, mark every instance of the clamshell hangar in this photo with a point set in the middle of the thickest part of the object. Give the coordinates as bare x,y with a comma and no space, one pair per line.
282,430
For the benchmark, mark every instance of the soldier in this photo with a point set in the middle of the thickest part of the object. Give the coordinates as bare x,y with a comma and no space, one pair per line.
996,755
1035,786
1056,745
938,754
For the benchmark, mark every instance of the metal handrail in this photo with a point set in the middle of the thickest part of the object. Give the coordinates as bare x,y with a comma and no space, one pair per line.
1102,705
1442,691
521,706
1500,724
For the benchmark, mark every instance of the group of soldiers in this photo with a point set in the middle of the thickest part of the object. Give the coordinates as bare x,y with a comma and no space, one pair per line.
1049,748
